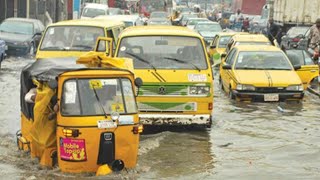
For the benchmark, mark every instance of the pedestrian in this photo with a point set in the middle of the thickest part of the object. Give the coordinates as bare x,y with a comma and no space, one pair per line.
211,17
314,39
273,32
246,25
238,20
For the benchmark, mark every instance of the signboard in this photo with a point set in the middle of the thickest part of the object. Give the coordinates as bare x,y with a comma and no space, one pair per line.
73,149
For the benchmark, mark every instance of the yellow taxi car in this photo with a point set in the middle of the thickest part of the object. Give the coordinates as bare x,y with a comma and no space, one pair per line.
247,39
74,38
260,73
219,44
177,77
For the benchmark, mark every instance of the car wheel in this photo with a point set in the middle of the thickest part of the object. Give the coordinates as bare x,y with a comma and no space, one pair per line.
1,59
32,49
231,95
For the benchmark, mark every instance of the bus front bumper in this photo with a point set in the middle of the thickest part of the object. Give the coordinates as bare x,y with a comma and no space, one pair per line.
173,119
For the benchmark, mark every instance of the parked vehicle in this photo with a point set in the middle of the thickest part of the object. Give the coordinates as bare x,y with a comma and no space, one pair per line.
3,48
260,73
289,13
293,36
309,69
22,35
74,38
92,10
191,23
84,120
208,30
128,20
176,71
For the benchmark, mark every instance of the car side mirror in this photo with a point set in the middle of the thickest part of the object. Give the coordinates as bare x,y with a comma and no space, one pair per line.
38,34
213,46
297,67
226,66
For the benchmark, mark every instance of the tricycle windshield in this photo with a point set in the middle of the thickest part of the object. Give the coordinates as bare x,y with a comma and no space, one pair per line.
71,38
93,97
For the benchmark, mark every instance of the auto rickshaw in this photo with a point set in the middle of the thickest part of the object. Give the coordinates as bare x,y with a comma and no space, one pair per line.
83,119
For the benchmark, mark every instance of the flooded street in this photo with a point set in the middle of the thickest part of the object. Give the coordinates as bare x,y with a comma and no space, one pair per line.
247,141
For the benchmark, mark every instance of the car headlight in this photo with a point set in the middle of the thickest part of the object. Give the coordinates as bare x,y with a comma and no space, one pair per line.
245,87
199,90
295,88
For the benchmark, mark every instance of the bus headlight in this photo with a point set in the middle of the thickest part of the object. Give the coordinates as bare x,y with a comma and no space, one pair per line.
245,87
295,88
199,90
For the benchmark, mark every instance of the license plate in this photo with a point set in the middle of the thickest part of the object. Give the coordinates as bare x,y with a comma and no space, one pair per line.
271,97
105,124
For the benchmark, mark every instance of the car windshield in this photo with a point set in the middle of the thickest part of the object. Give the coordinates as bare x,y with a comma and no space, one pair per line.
267,60
208,27
17,27
299,57
164,52
295,31
186,17
224,41
92,12
114,11
71,38
158,15
128,23
195,21
90,97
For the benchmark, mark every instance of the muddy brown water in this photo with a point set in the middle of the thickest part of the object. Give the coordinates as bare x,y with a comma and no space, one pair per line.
247,141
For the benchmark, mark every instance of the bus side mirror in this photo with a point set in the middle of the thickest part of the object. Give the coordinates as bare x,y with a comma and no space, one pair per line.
138,83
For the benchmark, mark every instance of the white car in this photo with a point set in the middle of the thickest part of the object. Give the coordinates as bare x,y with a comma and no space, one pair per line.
92,10
128,20
193,21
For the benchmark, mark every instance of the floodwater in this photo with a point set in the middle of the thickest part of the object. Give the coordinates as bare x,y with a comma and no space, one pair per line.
247,141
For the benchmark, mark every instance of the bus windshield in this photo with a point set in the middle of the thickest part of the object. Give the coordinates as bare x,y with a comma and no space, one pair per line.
71,38
164,52
148,6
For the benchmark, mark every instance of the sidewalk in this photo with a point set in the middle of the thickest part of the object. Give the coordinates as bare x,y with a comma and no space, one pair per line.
314,88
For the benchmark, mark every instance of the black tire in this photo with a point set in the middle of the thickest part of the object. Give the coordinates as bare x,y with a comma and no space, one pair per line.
231,95
1,59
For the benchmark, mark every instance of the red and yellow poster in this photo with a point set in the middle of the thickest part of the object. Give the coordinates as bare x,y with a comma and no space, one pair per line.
73,149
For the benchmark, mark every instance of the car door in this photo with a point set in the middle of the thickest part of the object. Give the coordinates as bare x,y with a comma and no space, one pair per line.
225,74
309,70
213,46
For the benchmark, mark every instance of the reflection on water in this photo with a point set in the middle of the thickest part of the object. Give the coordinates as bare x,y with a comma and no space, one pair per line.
247,140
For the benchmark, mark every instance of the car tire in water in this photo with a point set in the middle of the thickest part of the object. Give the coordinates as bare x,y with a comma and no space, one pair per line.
1,59
231,95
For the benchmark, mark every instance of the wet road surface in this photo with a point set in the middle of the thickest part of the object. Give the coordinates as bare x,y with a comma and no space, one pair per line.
247,141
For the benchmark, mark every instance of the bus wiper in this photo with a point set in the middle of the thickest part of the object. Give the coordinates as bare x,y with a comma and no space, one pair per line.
278,69
183,62
141,59
99,102
83,47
